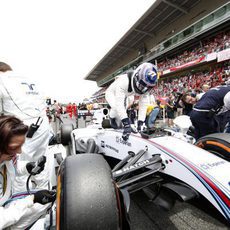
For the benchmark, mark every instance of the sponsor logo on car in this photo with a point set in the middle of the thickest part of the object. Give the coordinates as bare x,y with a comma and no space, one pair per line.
132,167
104,145
112,148
208,166
121,141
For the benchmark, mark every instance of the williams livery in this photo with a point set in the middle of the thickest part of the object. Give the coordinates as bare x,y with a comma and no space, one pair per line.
167,166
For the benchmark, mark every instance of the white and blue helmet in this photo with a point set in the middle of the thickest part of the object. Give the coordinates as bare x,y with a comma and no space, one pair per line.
144,77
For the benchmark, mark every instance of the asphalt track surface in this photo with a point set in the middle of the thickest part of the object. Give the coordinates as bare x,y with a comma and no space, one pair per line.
145,215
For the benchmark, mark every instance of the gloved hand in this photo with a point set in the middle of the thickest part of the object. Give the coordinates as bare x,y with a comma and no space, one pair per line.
35,168
44,196
139,125
127,129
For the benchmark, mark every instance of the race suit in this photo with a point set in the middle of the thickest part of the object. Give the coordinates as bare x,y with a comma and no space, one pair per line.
20,98
18,211
117,94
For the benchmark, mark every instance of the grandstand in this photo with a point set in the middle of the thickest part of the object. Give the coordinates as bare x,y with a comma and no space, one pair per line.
189,40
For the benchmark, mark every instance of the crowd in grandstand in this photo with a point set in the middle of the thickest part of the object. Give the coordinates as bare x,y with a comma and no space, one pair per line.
216,44
212,76
193,80
169,86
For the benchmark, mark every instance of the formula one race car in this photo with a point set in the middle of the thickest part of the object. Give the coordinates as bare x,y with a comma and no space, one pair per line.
101,170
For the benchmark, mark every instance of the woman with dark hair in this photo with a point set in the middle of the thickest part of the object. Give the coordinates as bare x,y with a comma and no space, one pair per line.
12,136
22,210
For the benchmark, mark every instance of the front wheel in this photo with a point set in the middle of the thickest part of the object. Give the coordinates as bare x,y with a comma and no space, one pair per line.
87,197
216,143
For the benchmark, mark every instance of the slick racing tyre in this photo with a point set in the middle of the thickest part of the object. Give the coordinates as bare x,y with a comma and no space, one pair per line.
86,194
216,143
66,130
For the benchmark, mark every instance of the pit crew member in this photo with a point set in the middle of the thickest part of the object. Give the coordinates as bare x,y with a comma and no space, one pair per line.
17,211
210,114
21,98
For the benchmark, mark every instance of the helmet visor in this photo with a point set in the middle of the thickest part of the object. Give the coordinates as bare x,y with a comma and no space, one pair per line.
142,86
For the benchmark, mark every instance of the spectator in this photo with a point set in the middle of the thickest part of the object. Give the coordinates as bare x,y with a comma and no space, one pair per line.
170,110
205,88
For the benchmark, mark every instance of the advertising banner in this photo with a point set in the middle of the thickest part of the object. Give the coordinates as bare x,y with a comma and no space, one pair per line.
223,55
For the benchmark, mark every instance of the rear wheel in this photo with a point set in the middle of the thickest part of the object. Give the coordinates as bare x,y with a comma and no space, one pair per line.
86,196
216,143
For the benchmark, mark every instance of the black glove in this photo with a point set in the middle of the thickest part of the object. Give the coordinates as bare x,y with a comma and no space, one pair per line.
44,196
30,166
35,168
139,125
127,129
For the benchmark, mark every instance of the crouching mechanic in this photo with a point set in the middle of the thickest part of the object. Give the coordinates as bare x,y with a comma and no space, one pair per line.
211,112
17,211
137,83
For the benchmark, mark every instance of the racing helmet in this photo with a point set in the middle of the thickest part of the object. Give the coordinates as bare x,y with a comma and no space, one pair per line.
144,78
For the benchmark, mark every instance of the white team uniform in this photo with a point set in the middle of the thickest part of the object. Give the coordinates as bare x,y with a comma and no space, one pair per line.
18,213
117,94
20,98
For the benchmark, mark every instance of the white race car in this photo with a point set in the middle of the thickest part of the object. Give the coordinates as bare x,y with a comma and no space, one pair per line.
101,170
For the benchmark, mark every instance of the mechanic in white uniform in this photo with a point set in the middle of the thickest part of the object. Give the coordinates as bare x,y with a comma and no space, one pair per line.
137,83
17,211
21,98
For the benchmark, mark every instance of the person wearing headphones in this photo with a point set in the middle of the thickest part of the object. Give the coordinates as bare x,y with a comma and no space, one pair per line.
17,211
139,83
